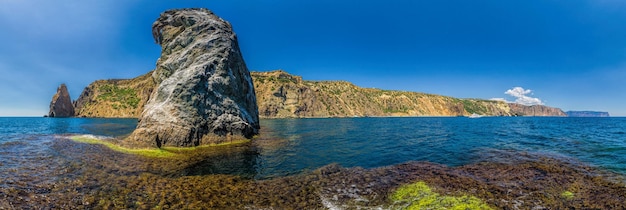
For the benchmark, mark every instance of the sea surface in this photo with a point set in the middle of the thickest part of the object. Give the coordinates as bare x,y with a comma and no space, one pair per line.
293,146
41,168
373,142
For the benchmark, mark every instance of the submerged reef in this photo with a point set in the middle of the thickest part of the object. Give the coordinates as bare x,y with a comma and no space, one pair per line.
92,176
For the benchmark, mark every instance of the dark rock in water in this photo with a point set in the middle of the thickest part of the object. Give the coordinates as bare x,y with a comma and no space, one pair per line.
204,92
587,114
61,104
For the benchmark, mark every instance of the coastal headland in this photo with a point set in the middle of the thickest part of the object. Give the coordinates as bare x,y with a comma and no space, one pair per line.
283,95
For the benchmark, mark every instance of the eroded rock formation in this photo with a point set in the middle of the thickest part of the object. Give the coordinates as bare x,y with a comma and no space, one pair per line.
204,91
61,104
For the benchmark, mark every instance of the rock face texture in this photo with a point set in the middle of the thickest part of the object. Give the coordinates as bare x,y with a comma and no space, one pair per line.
122,98
281,95
204,91
587,114
61,104
535,110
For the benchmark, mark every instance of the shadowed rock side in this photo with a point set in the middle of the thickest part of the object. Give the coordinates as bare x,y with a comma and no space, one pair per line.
61,104
283,95
123,98
536,110
204,93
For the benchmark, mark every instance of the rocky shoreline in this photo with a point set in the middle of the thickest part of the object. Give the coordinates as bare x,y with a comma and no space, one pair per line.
102,179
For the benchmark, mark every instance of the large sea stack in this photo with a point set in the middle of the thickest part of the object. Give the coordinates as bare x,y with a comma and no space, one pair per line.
204,92
61,104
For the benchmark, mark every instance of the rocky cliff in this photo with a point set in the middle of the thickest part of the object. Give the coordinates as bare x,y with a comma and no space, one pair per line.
282,95
123,98
204,92
535,110
61,104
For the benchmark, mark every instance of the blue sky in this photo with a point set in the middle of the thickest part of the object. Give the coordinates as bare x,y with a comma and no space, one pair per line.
570,54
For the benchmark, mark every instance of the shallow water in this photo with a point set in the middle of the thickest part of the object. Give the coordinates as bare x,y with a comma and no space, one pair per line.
39,165
288,146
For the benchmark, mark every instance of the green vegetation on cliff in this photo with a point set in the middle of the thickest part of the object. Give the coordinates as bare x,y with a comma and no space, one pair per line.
115,97
121,97
282,95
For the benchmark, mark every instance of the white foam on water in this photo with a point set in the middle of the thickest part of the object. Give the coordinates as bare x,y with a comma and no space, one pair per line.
328,204
91,136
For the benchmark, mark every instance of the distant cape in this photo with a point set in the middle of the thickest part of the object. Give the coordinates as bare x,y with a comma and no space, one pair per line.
587,114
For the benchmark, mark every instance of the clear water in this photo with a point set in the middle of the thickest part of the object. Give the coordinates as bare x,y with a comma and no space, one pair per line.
293,146
305,144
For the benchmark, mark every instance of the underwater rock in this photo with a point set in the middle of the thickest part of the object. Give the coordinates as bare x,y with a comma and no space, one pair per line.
204,92
61,104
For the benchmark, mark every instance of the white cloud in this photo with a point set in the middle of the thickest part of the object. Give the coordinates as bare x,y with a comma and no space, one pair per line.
521,96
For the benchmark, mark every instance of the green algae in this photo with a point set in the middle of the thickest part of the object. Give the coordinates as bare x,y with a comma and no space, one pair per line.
420,196
567,195
163,152
187,149
158,153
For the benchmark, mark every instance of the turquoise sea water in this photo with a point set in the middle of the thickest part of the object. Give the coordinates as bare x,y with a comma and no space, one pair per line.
293,146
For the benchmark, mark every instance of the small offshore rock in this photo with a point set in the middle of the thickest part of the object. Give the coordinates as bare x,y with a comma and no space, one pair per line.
61,104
